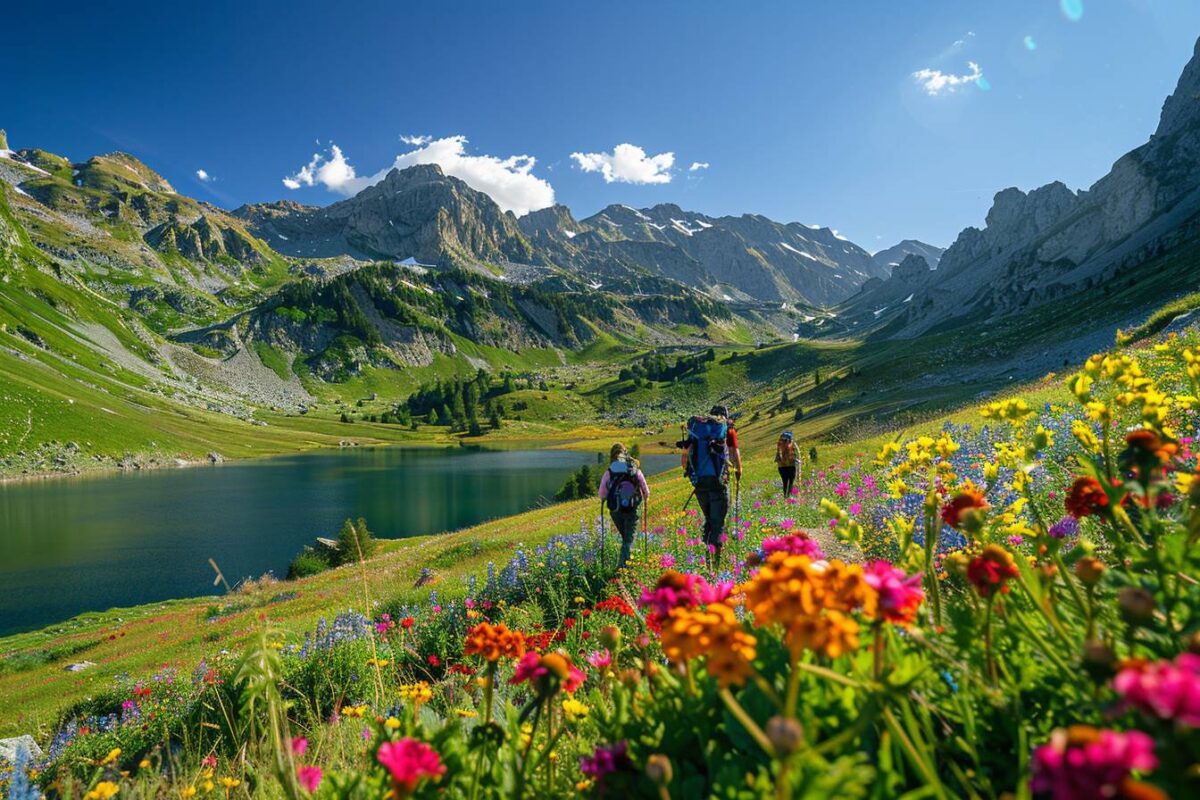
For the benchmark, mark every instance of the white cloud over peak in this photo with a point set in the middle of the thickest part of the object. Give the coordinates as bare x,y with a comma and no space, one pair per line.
628,163
935,82
698,165
204,176
509,181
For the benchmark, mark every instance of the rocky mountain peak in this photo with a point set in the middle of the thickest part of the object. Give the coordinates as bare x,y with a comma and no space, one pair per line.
1180,109
912,269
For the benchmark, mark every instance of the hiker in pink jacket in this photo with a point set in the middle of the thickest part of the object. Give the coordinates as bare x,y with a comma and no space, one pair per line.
623,488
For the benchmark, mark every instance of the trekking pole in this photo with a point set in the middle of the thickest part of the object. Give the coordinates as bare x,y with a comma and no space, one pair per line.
603,538
645,535
689,499
737,503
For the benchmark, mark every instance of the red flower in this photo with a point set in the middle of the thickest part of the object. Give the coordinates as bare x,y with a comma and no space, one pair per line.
407,622
615,603
1086,497
542,672
434,661
963,502
991,570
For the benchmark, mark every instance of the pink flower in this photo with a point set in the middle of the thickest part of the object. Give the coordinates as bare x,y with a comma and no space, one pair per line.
410,762
666,561
209,761
600,659
1164,689
855,509
842,489
786,524
309,777
897,596
798,544
538,669
713,592
299,745
1083,763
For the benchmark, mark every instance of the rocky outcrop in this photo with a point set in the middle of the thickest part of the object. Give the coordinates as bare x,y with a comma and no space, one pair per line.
417,213
206,240
1051,243
890,257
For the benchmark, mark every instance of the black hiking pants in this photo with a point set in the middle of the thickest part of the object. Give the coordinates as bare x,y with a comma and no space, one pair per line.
788,476
625,521
713,496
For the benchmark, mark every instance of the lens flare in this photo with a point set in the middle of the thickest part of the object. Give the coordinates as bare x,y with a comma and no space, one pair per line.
983,84
1072,9
1030,44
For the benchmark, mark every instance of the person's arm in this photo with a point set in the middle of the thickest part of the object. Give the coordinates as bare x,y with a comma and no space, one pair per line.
735,454
603,493
683,459
642,485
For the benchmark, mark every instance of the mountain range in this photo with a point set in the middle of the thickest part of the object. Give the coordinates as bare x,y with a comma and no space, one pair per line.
110,275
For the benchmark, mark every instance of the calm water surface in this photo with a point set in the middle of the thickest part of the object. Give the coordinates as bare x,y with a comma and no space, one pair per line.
89,544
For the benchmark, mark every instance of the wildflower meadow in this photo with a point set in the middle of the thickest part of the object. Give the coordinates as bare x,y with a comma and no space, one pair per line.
1008,608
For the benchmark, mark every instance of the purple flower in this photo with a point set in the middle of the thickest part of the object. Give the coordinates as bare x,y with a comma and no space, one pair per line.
605,761
1067,526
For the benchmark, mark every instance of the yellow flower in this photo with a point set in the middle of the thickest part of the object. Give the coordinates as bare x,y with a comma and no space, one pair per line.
144,763
230,782
574,710
187,792
466,713
112,756
417,692
207,786
887,452
526,734
103,790
991,472
377,662
392,723
1085,436
897,488
353,711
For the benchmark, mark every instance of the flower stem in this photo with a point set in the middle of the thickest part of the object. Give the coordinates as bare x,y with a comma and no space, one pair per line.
749,724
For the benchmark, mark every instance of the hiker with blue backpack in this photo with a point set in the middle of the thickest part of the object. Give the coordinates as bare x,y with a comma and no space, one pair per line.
623,488
709,450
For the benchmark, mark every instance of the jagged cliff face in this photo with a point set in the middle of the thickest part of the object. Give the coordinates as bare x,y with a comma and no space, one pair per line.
417,213
1051,243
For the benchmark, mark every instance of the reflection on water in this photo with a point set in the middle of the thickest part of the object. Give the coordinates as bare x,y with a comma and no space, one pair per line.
74,545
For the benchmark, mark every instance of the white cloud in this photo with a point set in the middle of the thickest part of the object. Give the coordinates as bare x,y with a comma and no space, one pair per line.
628,163
204,176
416,141
936,82
508,181
698,165
962,41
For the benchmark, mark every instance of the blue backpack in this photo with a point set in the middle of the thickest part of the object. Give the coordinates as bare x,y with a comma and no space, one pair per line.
623,489
707,451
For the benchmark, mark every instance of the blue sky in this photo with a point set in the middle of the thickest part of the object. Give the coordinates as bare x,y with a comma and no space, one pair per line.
863,116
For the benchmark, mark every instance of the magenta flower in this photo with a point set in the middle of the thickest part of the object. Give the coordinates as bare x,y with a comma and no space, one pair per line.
600,659
897,596
1164,689
537,668
309,777
410,762
1083,763
842,489
299,745
796,544
666,561
605,761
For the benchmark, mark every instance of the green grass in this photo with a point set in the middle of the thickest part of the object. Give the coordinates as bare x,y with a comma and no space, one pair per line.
274,359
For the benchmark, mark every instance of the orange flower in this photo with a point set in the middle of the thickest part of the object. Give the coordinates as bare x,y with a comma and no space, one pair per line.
715,633
811,600
494,642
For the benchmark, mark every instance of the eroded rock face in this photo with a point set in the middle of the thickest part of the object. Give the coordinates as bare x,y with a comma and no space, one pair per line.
417,213
1051,242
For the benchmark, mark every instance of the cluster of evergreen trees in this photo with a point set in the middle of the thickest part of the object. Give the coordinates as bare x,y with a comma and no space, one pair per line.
460,402
657,367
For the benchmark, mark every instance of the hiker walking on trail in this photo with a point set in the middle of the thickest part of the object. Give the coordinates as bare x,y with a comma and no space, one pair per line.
710,449
787,459
623,488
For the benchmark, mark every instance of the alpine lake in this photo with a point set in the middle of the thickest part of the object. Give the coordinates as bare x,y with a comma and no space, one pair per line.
92,543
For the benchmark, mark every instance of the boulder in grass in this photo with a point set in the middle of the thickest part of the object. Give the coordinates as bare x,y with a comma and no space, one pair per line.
10,747
79,666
